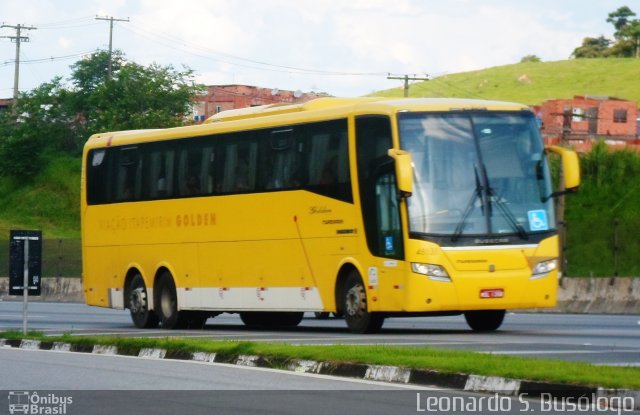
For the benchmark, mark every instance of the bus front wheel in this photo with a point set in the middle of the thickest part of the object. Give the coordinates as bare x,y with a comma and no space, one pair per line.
138,304
484,320
354,307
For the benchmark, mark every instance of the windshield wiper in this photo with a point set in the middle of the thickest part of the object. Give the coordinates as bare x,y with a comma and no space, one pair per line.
492,198
506,212
477,194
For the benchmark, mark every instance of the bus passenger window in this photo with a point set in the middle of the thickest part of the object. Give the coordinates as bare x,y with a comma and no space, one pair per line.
160,174
281,161
242,175
193,162
208,159
329,172
192,186
128,184
328,160
98,177
239,172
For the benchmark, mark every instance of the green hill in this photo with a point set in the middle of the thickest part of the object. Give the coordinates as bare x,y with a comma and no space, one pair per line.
50,202
535,82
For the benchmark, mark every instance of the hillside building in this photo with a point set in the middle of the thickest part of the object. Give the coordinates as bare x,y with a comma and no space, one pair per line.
227,97
5,103
583,119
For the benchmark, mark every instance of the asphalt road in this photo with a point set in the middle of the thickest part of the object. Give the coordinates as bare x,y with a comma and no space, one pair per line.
599,339
78,383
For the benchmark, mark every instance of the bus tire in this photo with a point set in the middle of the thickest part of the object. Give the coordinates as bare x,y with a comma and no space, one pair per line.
354,307
251,319
322,315
195,319
138,304
484,320
289,319
166,303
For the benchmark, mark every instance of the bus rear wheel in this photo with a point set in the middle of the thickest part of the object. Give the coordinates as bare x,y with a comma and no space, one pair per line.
138,303
484,320
166,304
354,307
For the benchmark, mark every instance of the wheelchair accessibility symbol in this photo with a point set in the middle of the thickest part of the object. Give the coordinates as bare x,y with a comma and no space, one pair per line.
538,220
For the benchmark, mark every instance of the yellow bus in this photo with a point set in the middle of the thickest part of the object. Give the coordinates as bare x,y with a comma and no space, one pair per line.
365,207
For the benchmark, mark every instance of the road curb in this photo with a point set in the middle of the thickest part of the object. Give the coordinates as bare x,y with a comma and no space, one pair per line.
391,374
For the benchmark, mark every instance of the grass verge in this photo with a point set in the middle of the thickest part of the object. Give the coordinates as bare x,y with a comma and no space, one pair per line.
448,361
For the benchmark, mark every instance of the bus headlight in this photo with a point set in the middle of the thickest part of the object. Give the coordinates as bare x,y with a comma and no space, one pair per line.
542,269
434,272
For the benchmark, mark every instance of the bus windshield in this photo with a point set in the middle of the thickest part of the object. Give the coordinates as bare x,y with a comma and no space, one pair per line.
477,173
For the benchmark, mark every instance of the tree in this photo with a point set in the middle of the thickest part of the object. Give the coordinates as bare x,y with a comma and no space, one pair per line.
620,19
42,121
530,58
135,97
592,47
627,38
58,116
627,33
89,74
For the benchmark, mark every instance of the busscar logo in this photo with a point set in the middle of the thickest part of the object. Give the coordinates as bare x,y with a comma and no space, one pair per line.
32,403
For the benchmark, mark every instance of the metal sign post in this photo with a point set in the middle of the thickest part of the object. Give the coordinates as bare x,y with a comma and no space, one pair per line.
25,261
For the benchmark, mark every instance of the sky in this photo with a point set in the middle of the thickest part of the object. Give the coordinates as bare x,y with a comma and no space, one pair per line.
340,47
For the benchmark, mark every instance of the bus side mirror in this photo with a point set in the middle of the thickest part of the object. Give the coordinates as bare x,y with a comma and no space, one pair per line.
404,171
570,167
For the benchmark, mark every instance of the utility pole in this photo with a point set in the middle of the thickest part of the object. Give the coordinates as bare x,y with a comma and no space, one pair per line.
406,79
18,38
111,19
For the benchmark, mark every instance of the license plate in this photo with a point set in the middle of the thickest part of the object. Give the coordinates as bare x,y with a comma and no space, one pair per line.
492,293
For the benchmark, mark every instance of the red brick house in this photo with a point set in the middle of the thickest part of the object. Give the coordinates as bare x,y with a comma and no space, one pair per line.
583,119
226,97
5,103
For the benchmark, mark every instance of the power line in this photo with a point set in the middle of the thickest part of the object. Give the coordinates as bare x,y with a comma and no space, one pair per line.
204,52
406,79
465,92
46,59
18,38
75,26
64,23
111,19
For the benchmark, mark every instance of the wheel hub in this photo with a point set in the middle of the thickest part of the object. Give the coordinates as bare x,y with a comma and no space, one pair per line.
138,300
354,301
166,303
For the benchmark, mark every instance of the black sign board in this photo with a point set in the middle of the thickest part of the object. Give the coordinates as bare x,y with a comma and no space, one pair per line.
21,241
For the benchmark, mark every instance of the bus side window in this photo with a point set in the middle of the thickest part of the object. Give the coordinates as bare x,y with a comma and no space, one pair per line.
240,164
377,195
328,160
98,177
208,170
160,173
389,230
190,171
129,177
282,159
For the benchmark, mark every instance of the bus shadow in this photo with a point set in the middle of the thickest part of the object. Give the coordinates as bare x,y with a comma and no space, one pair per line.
337,330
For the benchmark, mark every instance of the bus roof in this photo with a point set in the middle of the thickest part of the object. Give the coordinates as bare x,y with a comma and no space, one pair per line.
410,104
254,117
